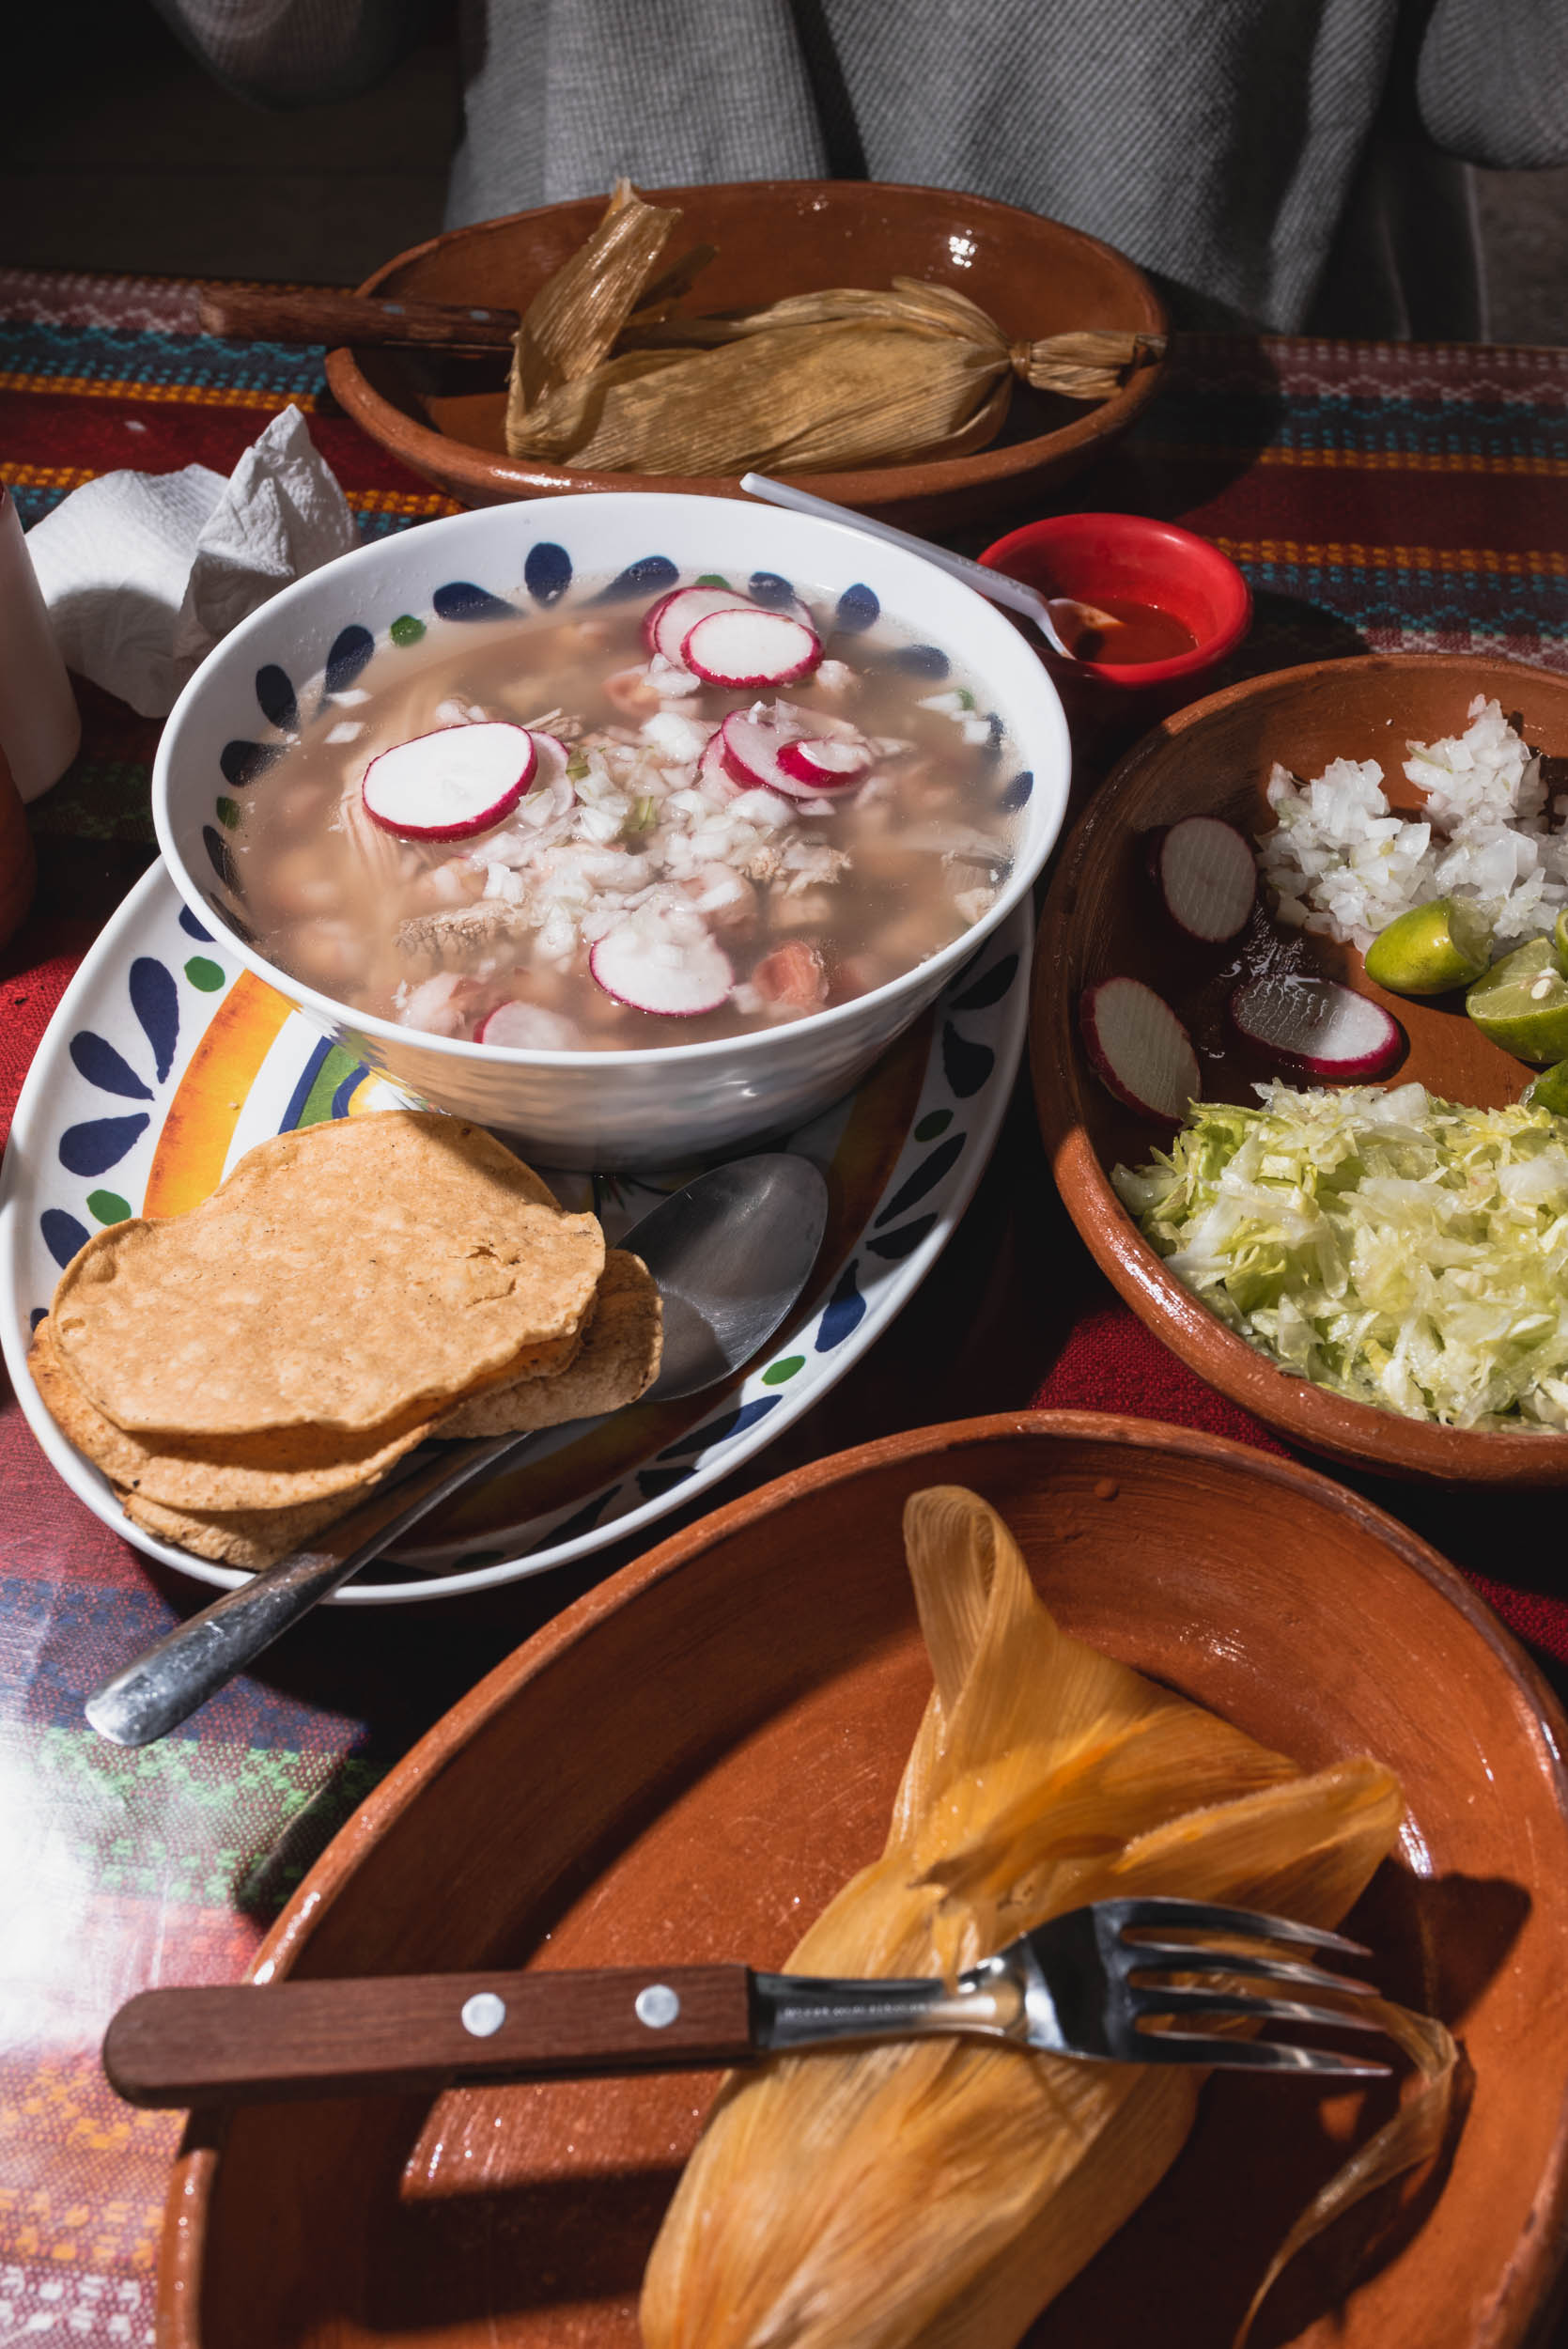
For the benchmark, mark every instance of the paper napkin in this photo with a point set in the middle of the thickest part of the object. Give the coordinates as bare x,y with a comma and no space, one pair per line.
144,572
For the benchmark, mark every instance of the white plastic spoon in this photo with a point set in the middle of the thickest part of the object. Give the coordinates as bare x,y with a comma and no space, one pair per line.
996,585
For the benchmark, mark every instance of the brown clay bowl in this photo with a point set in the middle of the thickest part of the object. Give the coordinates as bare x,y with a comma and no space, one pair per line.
692,1759
442,414
1103,917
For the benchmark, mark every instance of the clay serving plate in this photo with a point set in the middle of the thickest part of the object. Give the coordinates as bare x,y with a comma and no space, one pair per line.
442,414
691,1761
1103,916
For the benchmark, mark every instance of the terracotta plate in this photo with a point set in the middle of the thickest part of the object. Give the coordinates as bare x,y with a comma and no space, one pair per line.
1102,917
691,1761
442,413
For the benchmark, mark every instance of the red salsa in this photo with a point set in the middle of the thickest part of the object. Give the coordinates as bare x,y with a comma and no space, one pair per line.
1141,632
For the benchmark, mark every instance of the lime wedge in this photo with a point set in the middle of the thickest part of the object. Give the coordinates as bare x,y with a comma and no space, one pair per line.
1560,937
1549,1091
1431,948
1522,1004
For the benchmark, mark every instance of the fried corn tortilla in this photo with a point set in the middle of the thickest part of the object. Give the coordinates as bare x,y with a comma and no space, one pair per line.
619,1360
278,1468
344,1277
253,1538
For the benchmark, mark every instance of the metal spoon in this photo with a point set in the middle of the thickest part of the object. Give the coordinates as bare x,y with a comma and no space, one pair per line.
730,1254
996,585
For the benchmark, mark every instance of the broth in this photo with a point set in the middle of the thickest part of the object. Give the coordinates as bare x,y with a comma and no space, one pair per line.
640,845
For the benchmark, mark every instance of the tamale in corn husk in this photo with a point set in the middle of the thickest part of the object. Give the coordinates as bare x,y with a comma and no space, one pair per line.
942,2192
572,324
606,379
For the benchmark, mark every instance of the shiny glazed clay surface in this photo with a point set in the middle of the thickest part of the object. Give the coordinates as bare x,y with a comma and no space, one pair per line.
1103,917
691,1761
444,415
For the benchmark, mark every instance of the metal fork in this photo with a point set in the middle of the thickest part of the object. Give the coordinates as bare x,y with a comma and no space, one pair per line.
1093,1984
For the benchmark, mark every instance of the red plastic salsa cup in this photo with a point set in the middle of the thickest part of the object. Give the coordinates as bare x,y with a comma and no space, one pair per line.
1132,558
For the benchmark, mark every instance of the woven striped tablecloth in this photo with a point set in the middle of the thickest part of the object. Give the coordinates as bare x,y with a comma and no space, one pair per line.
1377,496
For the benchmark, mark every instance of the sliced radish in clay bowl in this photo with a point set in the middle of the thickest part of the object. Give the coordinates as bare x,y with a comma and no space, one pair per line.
1318,1027
1139,1048
1207,874
452,783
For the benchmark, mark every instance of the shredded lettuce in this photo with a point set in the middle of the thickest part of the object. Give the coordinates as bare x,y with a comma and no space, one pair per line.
1402,1250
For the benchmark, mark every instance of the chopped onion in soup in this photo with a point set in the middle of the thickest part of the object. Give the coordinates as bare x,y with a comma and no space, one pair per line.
631,854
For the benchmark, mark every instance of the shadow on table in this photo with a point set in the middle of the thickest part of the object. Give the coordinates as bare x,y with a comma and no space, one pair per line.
1219,405
1508,1543
1287,632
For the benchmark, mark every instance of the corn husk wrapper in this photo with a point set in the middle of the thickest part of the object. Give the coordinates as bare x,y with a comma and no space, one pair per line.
819,381
572,324
940,2192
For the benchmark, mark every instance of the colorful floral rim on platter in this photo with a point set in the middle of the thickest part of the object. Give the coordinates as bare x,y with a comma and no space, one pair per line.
167,1060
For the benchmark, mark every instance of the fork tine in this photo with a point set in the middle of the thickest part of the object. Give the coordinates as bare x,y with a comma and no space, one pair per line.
1254,2055
1206,1917
1192,1957
1184,2001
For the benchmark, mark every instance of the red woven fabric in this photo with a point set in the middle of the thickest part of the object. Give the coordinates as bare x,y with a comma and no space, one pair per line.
29,990
1111,1362
1378,496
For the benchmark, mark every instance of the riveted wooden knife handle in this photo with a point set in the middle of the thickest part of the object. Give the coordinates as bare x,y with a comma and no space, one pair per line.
269,315
401,2033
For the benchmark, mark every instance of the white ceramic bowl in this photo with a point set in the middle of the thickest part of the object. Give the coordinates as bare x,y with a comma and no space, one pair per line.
672,1103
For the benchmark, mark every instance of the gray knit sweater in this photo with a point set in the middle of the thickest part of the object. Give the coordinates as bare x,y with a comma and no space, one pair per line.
1277,163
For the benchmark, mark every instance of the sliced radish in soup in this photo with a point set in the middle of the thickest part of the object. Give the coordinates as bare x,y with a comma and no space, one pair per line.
447,785
550,755
743,649
650,619
526,1028
750,755
823,764
760,753
1140,1049
655,965
673,621
713,769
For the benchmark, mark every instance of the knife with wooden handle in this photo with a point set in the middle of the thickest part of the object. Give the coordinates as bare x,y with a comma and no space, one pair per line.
1083,1984
403,2033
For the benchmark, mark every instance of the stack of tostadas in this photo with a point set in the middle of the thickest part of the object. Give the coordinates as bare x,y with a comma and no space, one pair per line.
248,1371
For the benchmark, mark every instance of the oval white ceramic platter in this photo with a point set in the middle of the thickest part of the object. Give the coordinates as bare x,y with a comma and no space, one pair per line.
168,1059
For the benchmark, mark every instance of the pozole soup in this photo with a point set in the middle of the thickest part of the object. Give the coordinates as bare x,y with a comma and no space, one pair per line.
615,826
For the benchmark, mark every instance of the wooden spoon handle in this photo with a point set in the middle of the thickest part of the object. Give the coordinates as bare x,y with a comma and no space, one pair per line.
402,2033
268,315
